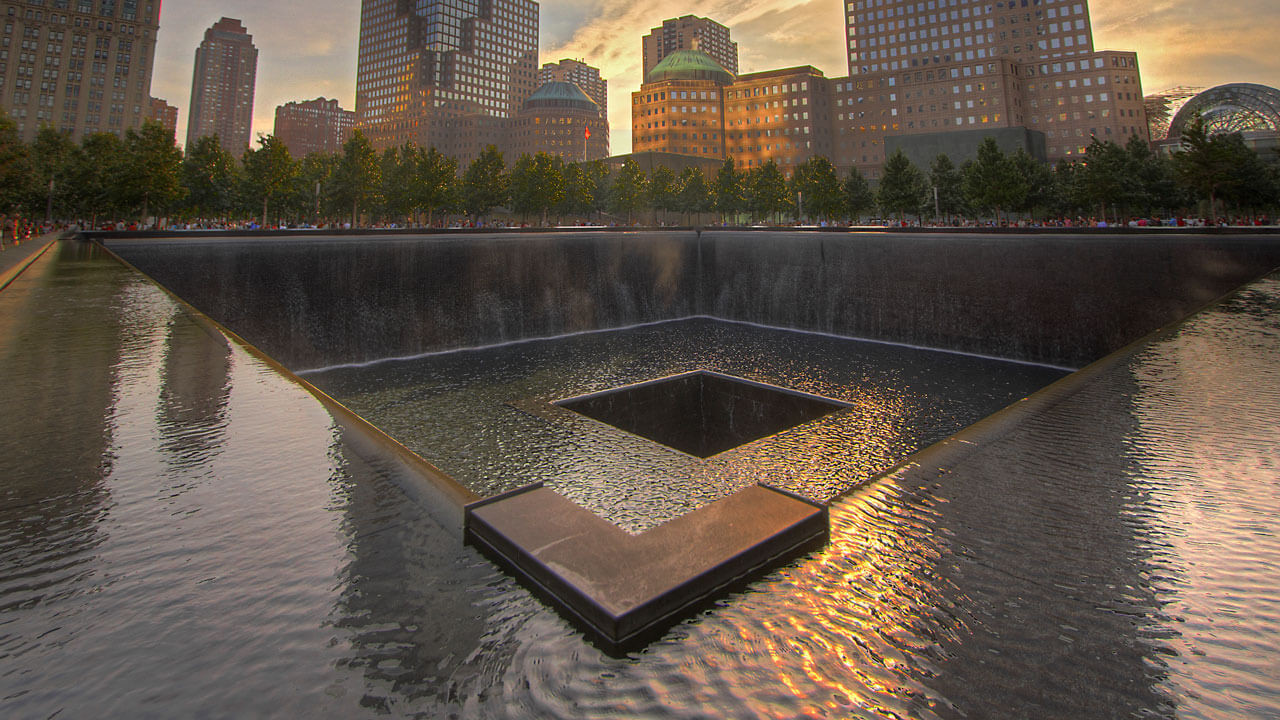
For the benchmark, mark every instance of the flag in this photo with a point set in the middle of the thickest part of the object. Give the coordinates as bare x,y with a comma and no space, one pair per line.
586,133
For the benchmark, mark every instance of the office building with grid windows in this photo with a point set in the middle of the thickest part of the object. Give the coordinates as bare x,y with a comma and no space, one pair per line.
222,87
81,66
319,125
447,74
689,32
930,67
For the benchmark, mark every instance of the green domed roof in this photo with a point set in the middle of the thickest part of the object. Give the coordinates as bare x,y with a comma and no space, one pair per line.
689,65
561,94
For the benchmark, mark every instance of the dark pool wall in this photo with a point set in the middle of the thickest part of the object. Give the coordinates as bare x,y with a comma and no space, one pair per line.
319,301
1064,300
1059,299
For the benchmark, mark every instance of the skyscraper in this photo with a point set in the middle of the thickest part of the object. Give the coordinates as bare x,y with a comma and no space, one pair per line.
444,73
222,86
690,32
318,125
1014,68
79,66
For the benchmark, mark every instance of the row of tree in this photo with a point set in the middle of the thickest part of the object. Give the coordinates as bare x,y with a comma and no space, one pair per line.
144,174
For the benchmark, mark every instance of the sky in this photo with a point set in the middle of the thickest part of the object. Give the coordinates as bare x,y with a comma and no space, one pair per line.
307,49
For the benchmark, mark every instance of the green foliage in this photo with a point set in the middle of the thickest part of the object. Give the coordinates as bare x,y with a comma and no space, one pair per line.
902,186
209,174
628,191
537,184
15,167
730,197
818,188
767,190
858,196
94,172
359,175
693,194
949,181
270,173
486,184
51,155
435,183
662,190
991,182
397,168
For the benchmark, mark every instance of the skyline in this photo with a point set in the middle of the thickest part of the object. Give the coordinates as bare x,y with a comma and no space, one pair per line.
1179,42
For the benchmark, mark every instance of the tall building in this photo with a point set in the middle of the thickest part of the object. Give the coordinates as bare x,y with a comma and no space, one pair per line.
79,66
690,33
580,74
445,74
1013,68
318,125
222,87
163,113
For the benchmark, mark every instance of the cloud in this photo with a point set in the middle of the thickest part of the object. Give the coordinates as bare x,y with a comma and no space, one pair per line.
1191,42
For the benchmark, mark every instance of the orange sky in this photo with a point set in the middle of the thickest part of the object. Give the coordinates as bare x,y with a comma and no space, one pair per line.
308,49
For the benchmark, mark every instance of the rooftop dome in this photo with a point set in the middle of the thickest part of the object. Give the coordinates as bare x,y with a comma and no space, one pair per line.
1238,107
561,94
689,65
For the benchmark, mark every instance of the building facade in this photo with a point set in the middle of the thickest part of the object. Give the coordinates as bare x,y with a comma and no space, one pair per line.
690,32
937,66
81,66
680,107
558,119
222,87
163,113
581,74
446,74
318,125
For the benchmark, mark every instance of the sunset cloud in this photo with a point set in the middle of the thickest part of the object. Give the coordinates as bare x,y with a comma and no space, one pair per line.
308,49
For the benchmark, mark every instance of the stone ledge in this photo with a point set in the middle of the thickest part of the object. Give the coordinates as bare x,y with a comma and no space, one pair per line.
623,589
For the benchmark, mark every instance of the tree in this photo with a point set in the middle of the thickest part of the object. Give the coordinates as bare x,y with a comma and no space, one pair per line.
902,186
209,174
578,191
1104,177
15,166
95,170
767,190
486,184
990,181
358,176
397,169
152,172
1204,163
537,184
1035,183
818,189
1156,190
858,197
628,190
948,182
693,194
315,186
662,191
729,195
51,156
269,173
435,182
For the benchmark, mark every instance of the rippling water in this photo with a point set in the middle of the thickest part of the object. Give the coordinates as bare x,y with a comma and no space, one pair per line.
485,416
183,532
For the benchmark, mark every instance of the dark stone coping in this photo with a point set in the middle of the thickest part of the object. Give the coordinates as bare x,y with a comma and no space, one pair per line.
623,589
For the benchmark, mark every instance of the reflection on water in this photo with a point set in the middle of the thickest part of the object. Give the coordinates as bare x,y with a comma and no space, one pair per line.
184,532
485,416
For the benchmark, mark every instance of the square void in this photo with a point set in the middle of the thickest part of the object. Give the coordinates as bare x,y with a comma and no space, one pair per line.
702,413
